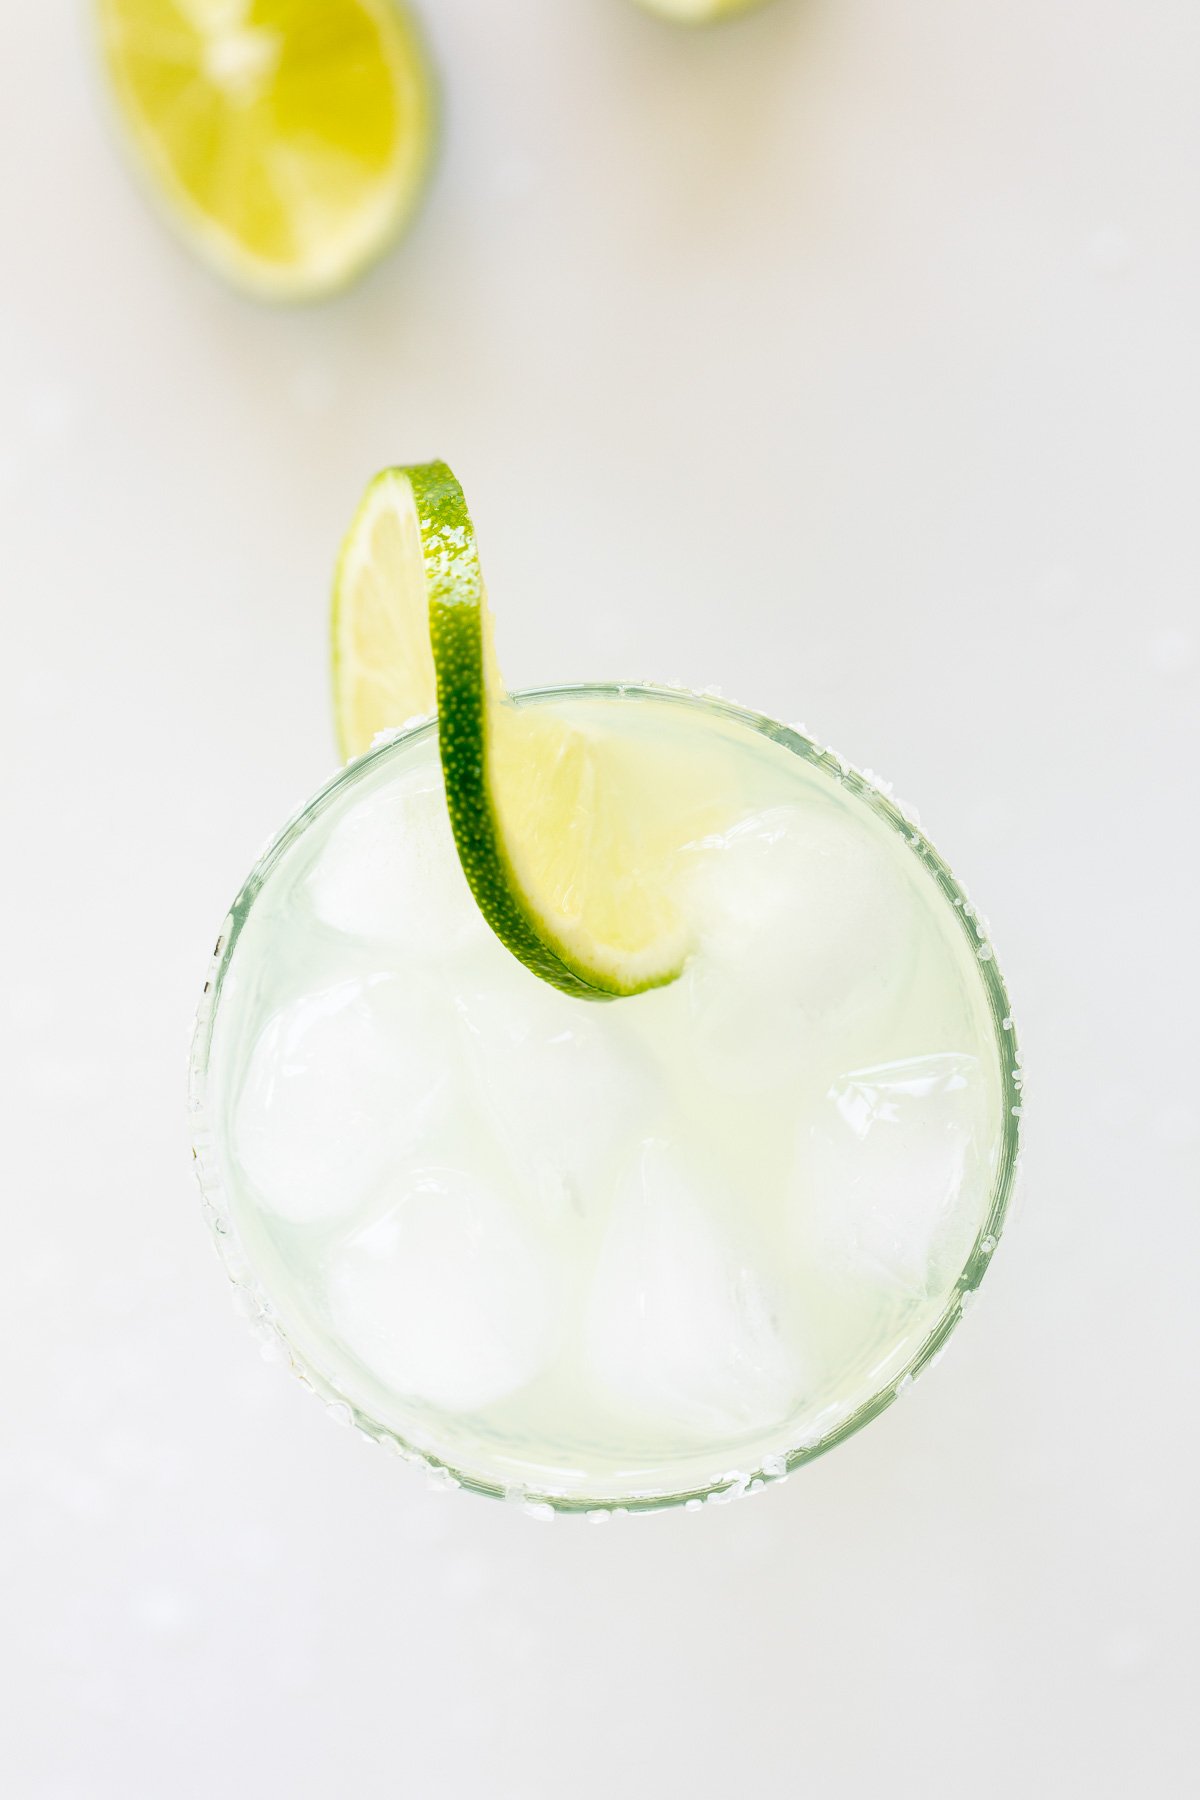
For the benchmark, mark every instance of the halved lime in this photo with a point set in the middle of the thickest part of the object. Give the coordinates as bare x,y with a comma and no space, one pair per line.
697,12
571,840
289,138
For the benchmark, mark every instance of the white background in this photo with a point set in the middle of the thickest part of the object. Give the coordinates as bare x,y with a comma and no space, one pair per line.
848,356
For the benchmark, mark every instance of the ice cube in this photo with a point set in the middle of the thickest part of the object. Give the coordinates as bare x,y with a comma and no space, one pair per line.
747,1036
448,1296
339,1083
562,1081
805,903
805,926
891,1173
682,1329
390,875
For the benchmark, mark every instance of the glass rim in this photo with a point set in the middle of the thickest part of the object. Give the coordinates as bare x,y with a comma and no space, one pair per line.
254,1302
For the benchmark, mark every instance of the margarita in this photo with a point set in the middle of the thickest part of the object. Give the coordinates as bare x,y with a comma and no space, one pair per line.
599,1255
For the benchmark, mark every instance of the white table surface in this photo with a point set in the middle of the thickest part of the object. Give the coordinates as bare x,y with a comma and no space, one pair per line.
848,357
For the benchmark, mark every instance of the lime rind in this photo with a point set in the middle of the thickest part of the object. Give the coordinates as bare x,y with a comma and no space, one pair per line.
467,696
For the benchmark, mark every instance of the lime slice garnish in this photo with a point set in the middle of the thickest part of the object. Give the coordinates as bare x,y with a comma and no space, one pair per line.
571,837
289,138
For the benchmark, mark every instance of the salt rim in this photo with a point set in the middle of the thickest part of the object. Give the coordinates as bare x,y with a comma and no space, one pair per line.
253,1303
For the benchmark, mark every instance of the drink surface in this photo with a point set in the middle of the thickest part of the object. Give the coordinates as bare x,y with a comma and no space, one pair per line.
597,1252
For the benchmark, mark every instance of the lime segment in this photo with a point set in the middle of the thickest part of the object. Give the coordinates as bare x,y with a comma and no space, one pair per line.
383,670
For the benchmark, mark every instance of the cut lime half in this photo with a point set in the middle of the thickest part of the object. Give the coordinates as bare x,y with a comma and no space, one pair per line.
571,840
289,139
697,12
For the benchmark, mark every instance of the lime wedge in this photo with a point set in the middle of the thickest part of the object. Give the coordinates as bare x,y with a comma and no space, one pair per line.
571,838
288,138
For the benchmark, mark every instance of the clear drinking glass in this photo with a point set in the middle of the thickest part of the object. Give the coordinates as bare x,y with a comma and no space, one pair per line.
284,1319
